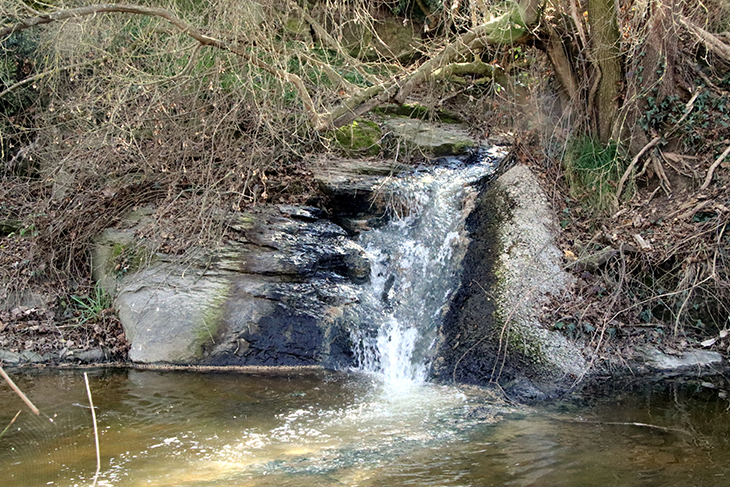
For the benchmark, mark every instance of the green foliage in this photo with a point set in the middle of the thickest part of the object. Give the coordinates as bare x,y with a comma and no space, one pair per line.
708,119
579,329
593,171
91,306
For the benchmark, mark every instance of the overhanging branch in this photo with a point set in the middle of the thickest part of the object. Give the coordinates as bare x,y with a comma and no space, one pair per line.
510,28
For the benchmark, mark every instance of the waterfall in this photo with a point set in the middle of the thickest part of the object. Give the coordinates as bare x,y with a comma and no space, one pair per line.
415,267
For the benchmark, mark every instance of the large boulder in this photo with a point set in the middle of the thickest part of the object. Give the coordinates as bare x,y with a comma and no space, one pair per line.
271,296
492,331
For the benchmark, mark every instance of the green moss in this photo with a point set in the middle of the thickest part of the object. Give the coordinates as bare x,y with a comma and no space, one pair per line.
520,342
361,136
528,347
245,221
125,258
210,325
118,250
453,149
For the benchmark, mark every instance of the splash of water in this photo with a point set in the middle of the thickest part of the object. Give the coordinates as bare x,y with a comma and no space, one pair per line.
415,268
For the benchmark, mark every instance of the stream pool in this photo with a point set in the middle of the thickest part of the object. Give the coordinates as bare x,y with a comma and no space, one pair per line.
316,428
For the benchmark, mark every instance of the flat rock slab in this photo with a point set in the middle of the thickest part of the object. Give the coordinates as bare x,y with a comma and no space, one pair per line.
433,139
354,191
690,359
169,314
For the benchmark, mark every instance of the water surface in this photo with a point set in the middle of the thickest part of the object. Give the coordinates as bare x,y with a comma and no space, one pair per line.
321,429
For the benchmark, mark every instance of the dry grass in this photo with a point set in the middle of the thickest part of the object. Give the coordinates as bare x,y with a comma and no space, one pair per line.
144,116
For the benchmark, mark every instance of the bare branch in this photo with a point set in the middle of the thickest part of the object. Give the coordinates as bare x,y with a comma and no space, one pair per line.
38,76
636,159
708,39
317,121
331,41
19,392
506,29
96,429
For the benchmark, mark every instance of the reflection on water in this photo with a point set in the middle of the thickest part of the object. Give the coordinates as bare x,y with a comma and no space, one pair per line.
321,429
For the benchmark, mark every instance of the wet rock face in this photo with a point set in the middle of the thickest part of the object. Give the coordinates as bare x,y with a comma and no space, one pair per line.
271,296
285,289
512,266
296,242
266,321
354,191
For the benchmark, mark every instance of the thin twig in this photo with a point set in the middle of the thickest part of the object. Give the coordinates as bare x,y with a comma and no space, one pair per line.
10,423
684,304
48,73
624,423
688,107
96,430
19,392
93,10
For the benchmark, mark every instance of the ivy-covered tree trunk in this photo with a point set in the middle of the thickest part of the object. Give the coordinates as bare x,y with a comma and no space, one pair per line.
605,38
651,70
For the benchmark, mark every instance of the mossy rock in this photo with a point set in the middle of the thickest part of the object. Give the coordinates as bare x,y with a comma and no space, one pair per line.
492,331
361,136
207,330
116,253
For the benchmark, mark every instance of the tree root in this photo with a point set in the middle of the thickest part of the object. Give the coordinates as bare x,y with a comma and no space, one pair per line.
634,161
710,172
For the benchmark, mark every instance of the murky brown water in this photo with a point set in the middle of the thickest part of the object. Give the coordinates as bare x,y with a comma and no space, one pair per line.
335,429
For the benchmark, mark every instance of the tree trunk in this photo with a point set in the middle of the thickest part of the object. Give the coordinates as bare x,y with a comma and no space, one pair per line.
651,69
605,37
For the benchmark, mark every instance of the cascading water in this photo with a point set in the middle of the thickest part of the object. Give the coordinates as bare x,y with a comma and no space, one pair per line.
316,427
415,268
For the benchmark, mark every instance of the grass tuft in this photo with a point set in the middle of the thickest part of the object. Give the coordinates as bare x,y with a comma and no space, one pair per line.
92,306
593,171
